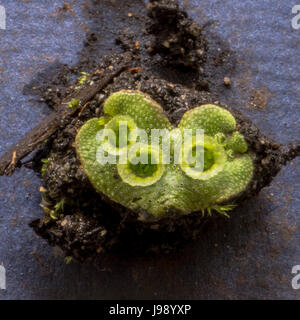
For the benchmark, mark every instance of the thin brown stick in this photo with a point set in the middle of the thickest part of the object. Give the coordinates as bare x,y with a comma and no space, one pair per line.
50,124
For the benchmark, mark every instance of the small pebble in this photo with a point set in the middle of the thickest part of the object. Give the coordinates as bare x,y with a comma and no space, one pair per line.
203,85
166,44
97,111
227,81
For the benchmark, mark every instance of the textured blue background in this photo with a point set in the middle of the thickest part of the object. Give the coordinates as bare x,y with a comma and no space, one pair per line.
251,257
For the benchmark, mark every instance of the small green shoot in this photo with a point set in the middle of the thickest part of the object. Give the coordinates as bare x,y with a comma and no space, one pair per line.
74,103
45,165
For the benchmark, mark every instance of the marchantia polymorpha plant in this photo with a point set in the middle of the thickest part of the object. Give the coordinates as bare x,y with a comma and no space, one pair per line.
157,190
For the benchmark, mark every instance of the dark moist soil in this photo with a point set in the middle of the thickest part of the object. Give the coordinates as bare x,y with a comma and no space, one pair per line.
175,62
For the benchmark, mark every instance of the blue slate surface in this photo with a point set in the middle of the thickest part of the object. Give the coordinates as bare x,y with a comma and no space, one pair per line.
251,256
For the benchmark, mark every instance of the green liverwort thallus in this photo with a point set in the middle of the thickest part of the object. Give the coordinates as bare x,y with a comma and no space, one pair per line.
157,188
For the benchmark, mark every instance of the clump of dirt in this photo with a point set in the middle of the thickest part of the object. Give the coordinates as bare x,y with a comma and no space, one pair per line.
84,223
52,92
89,223
178,39
259,98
